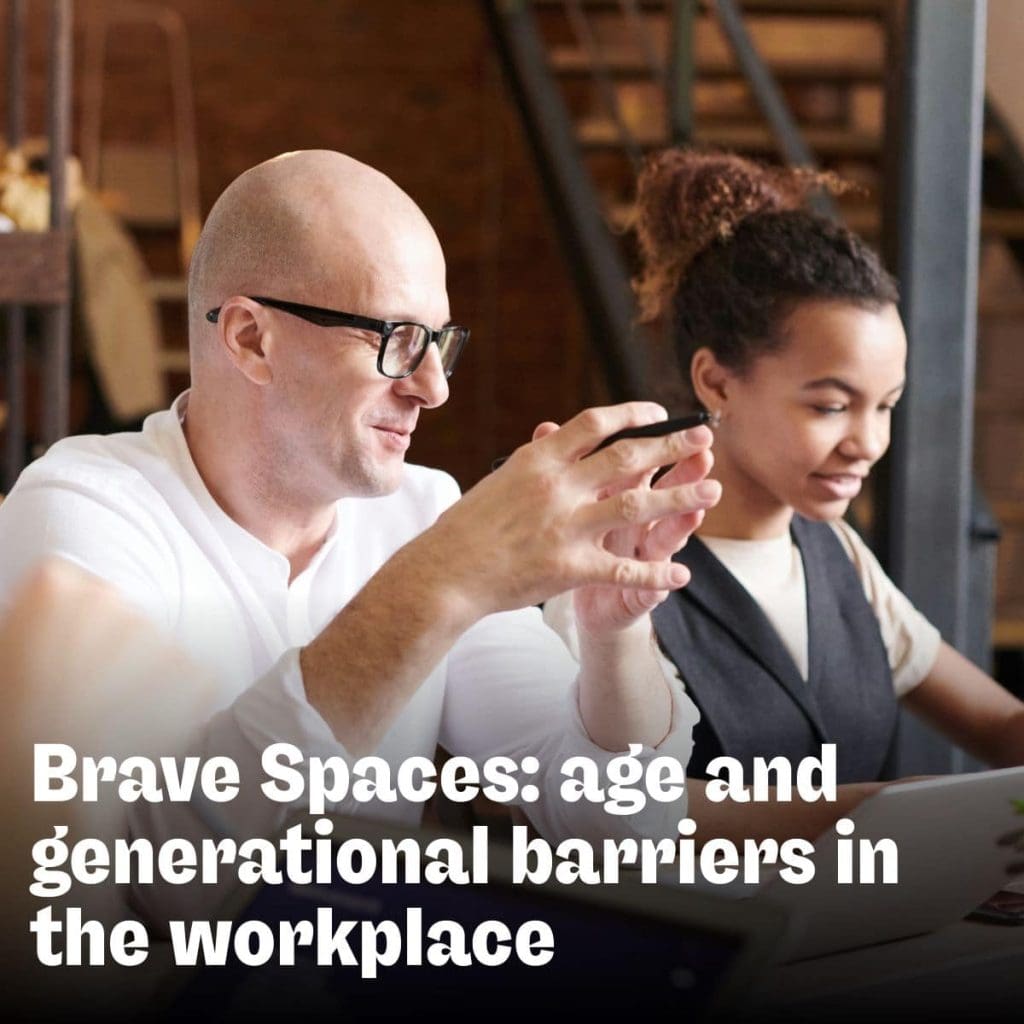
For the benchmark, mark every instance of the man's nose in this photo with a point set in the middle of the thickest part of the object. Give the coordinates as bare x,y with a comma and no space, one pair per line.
428,385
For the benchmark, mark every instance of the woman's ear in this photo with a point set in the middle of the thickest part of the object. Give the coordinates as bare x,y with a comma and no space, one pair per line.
710,380
241,332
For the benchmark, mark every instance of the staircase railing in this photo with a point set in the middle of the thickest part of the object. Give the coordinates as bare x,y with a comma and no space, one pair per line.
598,269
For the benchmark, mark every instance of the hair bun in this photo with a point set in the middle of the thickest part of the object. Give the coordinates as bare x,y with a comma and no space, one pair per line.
687,200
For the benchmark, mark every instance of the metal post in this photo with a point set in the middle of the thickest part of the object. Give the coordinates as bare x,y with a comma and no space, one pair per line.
57,318
681,72
932,219
14,435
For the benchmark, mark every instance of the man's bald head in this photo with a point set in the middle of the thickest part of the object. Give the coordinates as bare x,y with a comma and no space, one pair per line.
282,411
308,226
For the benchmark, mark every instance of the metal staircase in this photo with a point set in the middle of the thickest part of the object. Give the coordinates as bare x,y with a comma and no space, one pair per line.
600,82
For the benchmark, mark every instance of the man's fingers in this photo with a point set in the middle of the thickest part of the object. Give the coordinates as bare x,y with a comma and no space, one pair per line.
640,602
667,536
631,574
640,505
688,471
635,456
544,430
585,431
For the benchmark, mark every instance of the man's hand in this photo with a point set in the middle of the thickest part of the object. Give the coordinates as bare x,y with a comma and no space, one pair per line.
551,519
623,697
600,609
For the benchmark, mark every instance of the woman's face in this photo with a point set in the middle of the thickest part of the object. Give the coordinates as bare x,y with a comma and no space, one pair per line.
802,426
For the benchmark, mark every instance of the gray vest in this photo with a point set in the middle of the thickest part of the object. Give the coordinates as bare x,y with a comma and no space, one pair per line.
752,698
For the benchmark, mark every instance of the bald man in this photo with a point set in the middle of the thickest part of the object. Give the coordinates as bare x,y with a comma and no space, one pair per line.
346,601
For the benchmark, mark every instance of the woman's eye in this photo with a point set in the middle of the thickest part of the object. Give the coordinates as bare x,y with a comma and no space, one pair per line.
830,410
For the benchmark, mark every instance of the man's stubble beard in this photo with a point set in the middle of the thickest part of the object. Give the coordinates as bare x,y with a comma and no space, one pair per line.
361,476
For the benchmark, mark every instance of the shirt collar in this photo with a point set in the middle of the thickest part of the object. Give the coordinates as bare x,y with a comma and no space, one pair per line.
246,548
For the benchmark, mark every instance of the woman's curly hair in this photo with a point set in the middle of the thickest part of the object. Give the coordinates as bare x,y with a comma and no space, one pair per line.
728,250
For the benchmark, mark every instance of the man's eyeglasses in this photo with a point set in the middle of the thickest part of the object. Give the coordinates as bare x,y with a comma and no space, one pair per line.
403,344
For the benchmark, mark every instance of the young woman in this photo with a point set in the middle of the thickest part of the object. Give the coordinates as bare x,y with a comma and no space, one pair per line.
790,635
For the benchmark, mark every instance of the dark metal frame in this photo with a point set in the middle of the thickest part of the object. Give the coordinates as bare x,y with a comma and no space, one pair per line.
682,72
766,91
601,77
768,96
936,538
600,274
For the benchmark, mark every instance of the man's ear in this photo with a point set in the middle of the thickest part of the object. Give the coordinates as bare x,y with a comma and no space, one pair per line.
710,380
241,331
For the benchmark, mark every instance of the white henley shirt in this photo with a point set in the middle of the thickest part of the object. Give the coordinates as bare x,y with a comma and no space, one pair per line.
132,509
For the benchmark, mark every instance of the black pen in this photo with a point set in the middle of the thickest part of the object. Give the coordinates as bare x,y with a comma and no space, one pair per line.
659,429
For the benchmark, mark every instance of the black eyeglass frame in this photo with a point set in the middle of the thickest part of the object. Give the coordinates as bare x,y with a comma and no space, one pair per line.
385,328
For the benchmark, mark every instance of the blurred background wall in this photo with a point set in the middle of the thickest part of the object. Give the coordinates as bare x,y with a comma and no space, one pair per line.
412,88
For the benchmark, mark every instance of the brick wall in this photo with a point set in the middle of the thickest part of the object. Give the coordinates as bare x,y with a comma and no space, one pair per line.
411,87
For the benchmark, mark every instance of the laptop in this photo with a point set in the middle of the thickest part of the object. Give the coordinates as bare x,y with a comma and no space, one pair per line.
626,947
956,840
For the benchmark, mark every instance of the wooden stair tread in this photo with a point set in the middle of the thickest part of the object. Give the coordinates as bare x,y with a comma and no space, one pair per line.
1001,306
1003,223
571,60
1008,628
866,221
1010,513
819,8
995,223
601,133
